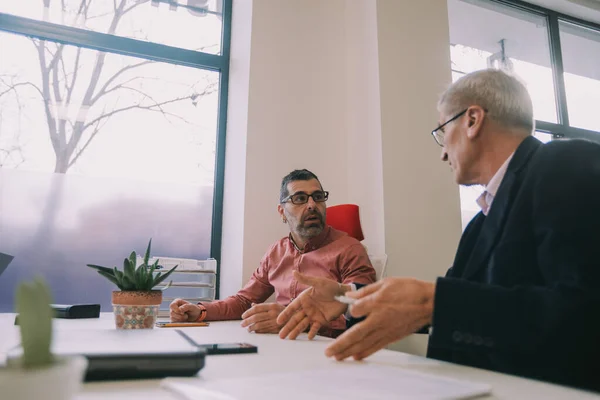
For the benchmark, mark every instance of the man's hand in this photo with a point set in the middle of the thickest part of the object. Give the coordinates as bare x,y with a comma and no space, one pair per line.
262,318
394,308
183,311
314,307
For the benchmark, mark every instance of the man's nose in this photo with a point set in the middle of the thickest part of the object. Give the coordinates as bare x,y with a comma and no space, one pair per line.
311,204
444,156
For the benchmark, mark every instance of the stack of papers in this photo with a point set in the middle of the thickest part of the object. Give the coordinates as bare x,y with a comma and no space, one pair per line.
348,382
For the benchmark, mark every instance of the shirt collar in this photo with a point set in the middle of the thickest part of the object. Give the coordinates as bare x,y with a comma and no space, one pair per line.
313,243
487,197
494,184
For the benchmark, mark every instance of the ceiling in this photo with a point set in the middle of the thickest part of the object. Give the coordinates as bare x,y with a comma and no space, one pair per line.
588,10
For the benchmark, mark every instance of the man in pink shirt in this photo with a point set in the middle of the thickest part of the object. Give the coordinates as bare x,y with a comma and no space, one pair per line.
312,248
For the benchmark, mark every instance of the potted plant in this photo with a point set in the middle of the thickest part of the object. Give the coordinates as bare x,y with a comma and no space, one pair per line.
34,372
136,304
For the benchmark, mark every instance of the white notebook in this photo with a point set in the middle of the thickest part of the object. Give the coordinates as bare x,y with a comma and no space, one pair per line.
343,382
119,341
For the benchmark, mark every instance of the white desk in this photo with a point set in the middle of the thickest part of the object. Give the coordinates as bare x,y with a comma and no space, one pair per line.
276,355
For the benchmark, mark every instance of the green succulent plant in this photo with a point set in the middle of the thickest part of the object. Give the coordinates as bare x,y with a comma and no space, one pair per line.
33,301
143,278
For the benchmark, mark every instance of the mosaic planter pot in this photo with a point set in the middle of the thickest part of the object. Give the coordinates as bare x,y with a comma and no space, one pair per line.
136,309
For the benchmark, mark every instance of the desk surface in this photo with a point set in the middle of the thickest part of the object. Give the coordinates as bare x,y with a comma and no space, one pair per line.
276,355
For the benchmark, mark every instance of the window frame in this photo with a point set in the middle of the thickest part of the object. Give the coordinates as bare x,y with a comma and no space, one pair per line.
158,52
562,129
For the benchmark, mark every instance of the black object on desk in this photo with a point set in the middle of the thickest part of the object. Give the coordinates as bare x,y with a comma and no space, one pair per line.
75,311
122,354
5,259
138,365
228,348
143,365
220,348
114,354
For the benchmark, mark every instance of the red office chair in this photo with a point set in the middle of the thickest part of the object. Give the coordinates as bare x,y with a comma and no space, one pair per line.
345,218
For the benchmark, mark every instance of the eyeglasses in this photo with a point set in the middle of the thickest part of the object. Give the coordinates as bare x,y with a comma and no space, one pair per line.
438,133
318,196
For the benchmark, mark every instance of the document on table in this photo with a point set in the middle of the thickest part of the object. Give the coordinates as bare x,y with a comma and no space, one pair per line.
344,382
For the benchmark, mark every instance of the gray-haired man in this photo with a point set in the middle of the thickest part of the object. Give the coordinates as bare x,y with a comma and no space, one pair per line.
523,293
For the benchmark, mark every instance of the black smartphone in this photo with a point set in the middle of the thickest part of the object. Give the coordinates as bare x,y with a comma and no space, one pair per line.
228,348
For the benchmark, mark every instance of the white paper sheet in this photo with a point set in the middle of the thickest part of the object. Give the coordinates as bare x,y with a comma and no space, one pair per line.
119,341
349,382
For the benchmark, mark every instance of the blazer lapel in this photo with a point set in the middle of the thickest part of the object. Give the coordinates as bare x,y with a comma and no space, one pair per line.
494,223
492,227
465,246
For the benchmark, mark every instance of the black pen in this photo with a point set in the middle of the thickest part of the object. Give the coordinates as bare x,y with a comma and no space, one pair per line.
186,337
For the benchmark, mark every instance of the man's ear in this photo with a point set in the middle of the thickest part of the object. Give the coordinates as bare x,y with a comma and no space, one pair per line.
280,210
475,116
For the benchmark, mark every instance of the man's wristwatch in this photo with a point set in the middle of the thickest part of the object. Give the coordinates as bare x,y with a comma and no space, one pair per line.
202,315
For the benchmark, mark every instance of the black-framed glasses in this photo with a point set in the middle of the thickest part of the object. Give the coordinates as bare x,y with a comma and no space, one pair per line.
438,133
318,196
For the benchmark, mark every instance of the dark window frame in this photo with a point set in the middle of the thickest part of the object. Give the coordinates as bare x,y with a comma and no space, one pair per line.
157,52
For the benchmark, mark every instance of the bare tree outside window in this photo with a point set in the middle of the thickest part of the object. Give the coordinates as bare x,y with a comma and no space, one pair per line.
11,155
80,93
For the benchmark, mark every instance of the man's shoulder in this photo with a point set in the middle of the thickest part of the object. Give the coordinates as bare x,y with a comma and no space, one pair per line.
277,247
278,244
564,158
566,163
570,148
341,238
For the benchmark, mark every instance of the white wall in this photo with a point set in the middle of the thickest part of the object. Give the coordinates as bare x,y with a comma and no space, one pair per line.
346,88
422,210
365,167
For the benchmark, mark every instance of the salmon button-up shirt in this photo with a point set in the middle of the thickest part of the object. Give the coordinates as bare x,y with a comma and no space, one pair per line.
332,254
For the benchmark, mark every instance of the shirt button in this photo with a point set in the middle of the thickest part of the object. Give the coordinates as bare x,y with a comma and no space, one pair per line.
457,336
292,299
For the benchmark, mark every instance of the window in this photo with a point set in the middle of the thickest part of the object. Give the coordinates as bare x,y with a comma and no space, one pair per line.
554,55
581,57
186,24
108,141
475,46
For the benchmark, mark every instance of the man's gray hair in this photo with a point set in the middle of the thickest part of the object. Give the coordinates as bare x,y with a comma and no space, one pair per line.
503,96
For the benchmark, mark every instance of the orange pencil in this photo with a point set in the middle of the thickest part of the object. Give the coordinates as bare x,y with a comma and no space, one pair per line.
180,324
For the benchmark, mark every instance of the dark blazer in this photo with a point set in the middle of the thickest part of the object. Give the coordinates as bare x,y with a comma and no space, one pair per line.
523,294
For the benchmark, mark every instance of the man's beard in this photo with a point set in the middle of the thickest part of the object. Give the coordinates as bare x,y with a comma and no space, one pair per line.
311,228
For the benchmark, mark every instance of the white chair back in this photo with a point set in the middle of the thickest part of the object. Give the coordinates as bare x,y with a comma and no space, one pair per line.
379,262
